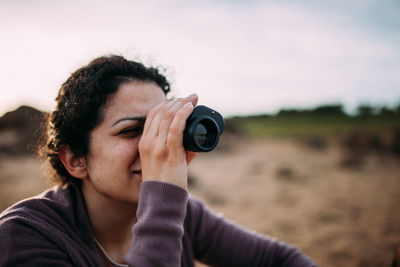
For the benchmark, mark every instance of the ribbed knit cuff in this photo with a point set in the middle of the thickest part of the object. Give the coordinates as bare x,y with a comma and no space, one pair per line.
157,234
163,197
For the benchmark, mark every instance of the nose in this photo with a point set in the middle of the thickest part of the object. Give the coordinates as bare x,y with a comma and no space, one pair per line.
137,165
134,154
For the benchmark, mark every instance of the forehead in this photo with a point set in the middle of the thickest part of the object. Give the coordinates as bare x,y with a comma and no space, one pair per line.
133,99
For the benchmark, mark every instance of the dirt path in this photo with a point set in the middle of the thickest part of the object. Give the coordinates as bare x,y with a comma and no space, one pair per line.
338,216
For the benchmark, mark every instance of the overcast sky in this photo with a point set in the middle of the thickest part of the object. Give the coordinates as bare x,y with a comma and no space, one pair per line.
241,57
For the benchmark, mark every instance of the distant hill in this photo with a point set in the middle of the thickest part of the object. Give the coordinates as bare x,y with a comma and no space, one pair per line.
20,130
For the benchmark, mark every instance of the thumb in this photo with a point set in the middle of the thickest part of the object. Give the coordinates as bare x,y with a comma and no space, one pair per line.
190,155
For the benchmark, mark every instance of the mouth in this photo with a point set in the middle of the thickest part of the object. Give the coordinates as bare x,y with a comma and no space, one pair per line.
138,172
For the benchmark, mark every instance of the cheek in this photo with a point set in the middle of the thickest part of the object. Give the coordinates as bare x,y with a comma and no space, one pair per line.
126,149
113,156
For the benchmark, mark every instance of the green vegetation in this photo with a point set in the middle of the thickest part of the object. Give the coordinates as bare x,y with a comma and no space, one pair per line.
319,122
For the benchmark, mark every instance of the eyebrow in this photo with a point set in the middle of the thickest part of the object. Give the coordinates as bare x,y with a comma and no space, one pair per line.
140,119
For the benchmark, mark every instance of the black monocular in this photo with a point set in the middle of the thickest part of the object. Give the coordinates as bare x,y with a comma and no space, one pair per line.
203,128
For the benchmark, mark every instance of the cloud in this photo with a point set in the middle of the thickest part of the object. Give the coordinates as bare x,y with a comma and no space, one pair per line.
240,57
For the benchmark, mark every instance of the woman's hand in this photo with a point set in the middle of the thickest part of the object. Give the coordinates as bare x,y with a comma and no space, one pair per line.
162,155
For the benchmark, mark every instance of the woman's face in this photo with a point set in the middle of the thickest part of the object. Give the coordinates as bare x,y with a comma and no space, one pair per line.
113,161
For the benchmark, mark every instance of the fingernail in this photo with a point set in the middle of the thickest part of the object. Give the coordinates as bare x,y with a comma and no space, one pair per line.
188,105
192,95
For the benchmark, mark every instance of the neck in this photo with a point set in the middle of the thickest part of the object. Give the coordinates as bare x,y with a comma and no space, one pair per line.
111,221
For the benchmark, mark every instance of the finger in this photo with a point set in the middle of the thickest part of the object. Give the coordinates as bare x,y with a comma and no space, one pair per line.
175,132
169,116
149,118
154,117
194,98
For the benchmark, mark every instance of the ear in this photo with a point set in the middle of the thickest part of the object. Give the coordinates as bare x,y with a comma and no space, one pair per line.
75,165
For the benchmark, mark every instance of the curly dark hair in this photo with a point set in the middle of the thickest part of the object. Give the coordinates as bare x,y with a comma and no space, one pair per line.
79,103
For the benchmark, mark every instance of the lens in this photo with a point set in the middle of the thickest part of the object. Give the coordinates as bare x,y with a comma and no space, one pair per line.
205,134
200,134
202,131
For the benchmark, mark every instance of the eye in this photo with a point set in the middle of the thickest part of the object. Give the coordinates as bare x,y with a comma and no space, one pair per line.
132,131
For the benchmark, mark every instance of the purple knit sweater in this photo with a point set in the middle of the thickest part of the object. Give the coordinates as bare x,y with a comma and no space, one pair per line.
53,229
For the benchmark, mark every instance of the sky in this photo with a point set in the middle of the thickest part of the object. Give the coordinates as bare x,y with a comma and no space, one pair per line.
241,57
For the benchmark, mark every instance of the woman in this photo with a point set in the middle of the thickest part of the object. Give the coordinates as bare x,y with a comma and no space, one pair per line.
116,146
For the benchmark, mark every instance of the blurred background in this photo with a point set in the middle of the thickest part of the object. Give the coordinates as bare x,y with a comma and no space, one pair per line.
310,91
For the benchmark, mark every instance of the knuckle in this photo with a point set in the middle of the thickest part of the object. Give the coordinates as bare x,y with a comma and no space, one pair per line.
144,146
169,115
160,152
172,141
181,113
143,150
151,113
174,130
155,110
164,108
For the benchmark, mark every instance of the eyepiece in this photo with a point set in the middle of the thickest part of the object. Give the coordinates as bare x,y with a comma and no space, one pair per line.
203,128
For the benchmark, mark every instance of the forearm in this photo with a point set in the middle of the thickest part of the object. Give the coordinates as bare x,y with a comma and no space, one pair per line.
157,234
219,242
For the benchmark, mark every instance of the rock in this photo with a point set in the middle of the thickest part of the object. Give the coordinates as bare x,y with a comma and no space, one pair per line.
20,130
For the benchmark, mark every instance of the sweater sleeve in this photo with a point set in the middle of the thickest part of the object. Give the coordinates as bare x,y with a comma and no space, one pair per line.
218,242
22,245
50,229
157,234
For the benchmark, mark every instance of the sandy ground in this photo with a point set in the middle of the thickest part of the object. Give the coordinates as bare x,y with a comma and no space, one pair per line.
338,216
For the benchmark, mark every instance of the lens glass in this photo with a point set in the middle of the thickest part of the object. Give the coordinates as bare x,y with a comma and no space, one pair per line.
200,134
